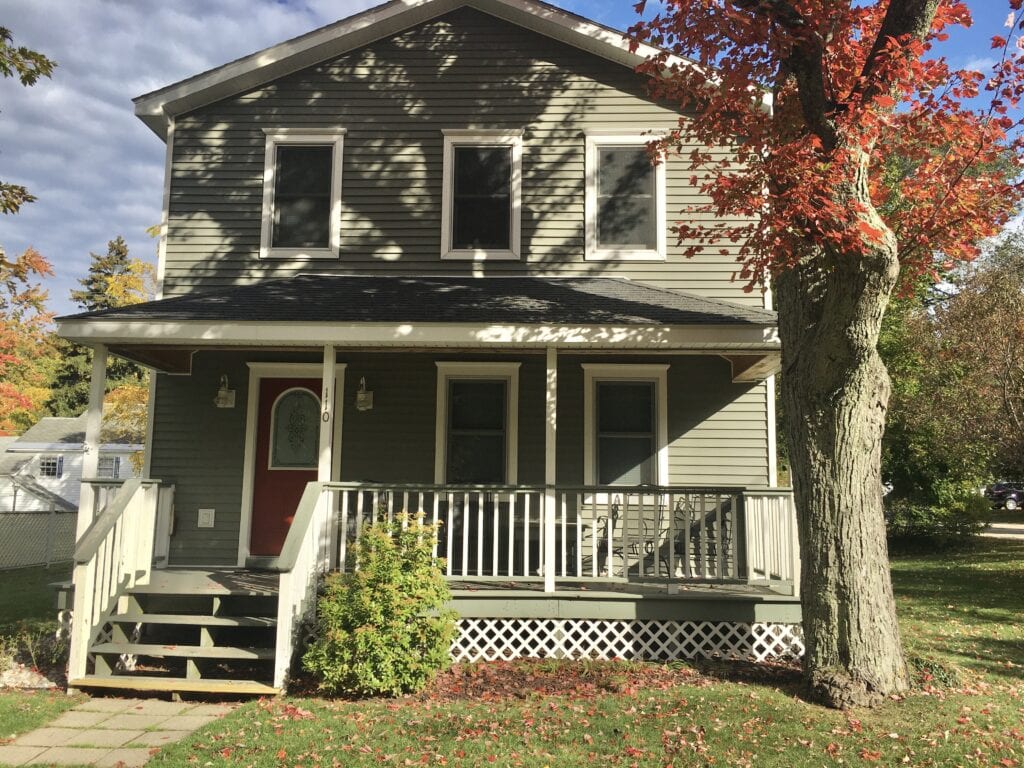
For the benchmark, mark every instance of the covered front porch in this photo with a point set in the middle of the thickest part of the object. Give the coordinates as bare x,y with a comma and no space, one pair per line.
608,478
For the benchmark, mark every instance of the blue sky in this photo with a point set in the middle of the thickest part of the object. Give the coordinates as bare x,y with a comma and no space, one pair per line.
98,171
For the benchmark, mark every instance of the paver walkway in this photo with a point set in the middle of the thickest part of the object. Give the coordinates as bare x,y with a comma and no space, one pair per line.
110,732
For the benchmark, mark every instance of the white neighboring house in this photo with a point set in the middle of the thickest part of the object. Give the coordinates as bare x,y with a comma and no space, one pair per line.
45,464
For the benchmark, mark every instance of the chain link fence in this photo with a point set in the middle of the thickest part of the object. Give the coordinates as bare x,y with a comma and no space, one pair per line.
36,538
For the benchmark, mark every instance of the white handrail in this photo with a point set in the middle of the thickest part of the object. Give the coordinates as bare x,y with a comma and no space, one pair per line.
114,555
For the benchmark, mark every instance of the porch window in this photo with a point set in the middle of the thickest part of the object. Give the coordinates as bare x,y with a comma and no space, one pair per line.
481,198
51,466
625,433
302,194
476,432
625,200
477,418
625,424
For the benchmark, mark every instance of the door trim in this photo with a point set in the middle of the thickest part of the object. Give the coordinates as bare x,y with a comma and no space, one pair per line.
258,372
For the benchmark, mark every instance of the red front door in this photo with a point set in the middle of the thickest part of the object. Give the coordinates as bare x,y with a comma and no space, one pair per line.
287,454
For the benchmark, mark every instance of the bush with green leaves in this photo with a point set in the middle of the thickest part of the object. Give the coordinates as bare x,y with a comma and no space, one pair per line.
957,518
383,627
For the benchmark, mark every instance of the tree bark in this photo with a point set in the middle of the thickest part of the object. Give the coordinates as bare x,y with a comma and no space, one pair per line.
836,390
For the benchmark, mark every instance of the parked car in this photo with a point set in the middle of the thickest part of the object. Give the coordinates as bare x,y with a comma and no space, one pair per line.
1009,496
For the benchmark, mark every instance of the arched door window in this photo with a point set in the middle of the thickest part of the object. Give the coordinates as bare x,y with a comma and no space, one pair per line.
295,430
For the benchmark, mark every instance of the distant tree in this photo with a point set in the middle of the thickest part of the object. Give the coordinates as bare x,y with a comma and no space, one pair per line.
26,352
956,357
114,280
28,66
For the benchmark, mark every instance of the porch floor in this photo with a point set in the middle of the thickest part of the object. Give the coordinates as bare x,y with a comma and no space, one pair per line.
611,600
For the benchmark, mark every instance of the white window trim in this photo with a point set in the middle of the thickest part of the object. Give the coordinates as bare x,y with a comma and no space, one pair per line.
602,372
58,465
472,138
592,251
490,371
334,137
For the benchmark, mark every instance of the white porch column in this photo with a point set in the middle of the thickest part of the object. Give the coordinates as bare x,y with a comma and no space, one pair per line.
93,428
550,468
327,409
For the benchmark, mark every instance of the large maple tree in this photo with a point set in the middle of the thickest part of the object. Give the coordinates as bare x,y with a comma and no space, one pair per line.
820,96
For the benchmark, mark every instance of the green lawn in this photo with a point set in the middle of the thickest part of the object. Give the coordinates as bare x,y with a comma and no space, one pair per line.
958,610
27,599
26,594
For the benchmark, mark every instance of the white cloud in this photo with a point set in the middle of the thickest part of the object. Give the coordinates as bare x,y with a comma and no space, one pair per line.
74,140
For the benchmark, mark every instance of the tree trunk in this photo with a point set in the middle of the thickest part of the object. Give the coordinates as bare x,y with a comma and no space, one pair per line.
836,390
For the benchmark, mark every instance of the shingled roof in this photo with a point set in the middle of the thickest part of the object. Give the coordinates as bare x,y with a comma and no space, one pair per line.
499,300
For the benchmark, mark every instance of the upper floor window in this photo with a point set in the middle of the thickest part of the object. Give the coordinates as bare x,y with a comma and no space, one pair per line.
481,199
302,194
51,466
625,200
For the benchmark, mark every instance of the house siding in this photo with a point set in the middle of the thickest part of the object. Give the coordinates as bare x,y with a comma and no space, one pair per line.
717,430
394,97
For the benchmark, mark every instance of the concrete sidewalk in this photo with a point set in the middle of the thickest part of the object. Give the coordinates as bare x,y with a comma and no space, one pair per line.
1006,531
111,732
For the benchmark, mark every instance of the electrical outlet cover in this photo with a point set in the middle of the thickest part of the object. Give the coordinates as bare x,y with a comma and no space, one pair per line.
206,518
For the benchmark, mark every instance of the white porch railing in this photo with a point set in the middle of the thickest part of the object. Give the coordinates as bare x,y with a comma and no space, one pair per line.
306,554
773,549
114,554
497,533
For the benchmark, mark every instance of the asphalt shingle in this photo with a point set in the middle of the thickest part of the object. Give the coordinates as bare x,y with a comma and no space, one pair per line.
519,300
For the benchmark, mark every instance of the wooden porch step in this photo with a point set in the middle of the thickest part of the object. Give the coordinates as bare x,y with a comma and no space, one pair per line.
186,651
205,589
197,619
175,685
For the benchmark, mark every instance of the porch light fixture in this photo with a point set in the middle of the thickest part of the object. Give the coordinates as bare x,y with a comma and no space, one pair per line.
225,396
364,398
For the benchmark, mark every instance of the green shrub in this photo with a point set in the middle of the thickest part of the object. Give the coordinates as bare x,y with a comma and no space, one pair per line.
957,519
384,628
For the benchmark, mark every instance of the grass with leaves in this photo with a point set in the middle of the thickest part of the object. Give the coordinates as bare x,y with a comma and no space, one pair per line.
961,620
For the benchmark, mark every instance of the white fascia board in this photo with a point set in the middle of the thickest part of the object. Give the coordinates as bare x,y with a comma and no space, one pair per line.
461,335
336,39
70,448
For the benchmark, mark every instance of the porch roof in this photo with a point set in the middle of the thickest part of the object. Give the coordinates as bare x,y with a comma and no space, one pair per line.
316,311
311,298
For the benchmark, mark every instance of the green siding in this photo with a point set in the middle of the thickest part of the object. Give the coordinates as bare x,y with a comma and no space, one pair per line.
717,430
394,98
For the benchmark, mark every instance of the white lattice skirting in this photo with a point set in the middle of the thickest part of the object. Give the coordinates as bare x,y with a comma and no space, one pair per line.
493,639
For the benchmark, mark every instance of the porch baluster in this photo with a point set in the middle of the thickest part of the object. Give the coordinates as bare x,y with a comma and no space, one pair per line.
451,532
719,550
513,508
481,502
343,536
560,500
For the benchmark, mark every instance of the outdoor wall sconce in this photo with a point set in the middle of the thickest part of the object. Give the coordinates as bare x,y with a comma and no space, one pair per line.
225,396
364,398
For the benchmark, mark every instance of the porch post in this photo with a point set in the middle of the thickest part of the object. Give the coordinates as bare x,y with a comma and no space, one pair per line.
550,468
93,428
323,473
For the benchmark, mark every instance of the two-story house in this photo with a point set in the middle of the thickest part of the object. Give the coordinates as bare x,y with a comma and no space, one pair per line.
420,261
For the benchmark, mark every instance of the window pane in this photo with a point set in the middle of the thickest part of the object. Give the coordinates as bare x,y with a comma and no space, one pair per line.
476,459
477,405
302,197
482,198
476,431
625,433
626,197
625,460
295,431
625,407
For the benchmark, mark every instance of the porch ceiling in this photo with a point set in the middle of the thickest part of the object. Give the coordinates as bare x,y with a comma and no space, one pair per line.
431,312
